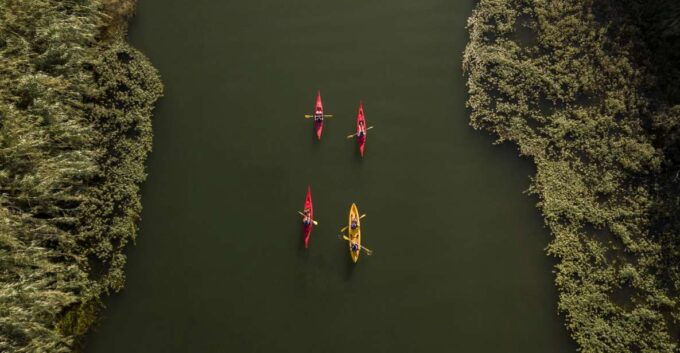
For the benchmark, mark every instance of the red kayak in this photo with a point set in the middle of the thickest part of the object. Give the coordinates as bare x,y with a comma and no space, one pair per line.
307,228
361,127
318,112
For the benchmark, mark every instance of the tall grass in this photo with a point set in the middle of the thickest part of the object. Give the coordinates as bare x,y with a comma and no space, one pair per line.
75,129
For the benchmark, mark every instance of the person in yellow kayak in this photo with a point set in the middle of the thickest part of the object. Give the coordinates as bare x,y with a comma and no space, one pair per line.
306,220
353,225
355,247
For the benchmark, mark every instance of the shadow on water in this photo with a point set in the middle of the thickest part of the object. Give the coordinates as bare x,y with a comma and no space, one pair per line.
303,254
350,268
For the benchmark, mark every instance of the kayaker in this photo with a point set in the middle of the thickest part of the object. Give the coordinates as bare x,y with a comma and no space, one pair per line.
318,115
353,224
362,129
355,247
306,220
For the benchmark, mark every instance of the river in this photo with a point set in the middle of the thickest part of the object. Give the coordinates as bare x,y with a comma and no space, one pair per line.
459,264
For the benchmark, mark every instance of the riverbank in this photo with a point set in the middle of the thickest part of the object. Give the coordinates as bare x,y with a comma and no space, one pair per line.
590,92
76,104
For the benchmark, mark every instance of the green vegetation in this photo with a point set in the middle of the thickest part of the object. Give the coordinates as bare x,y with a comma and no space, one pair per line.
75,129
590,90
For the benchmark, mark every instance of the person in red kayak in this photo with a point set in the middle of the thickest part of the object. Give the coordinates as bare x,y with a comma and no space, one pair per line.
306,220
362,129
318,115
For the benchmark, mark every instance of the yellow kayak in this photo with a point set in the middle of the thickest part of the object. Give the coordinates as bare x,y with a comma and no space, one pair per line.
354,234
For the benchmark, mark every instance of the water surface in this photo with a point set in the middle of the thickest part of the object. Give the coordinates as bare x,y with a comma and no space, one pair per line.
459,263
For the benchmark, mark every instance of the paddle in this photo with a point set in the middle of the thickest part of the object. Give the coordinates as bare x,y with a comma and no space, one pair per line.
352,135
307,116
367,250
362,216
313,221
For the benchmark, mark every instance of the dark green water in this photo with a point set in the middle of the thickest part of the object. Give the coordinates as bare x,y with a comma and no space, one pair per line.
218,267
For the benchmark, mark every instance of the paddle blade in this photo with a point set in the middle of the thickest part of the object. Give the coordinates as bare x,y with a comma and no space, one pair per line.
308,116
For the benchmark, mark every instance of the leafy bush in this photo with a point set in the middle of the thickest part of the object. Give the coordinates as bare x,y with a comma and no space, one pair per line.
588,90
